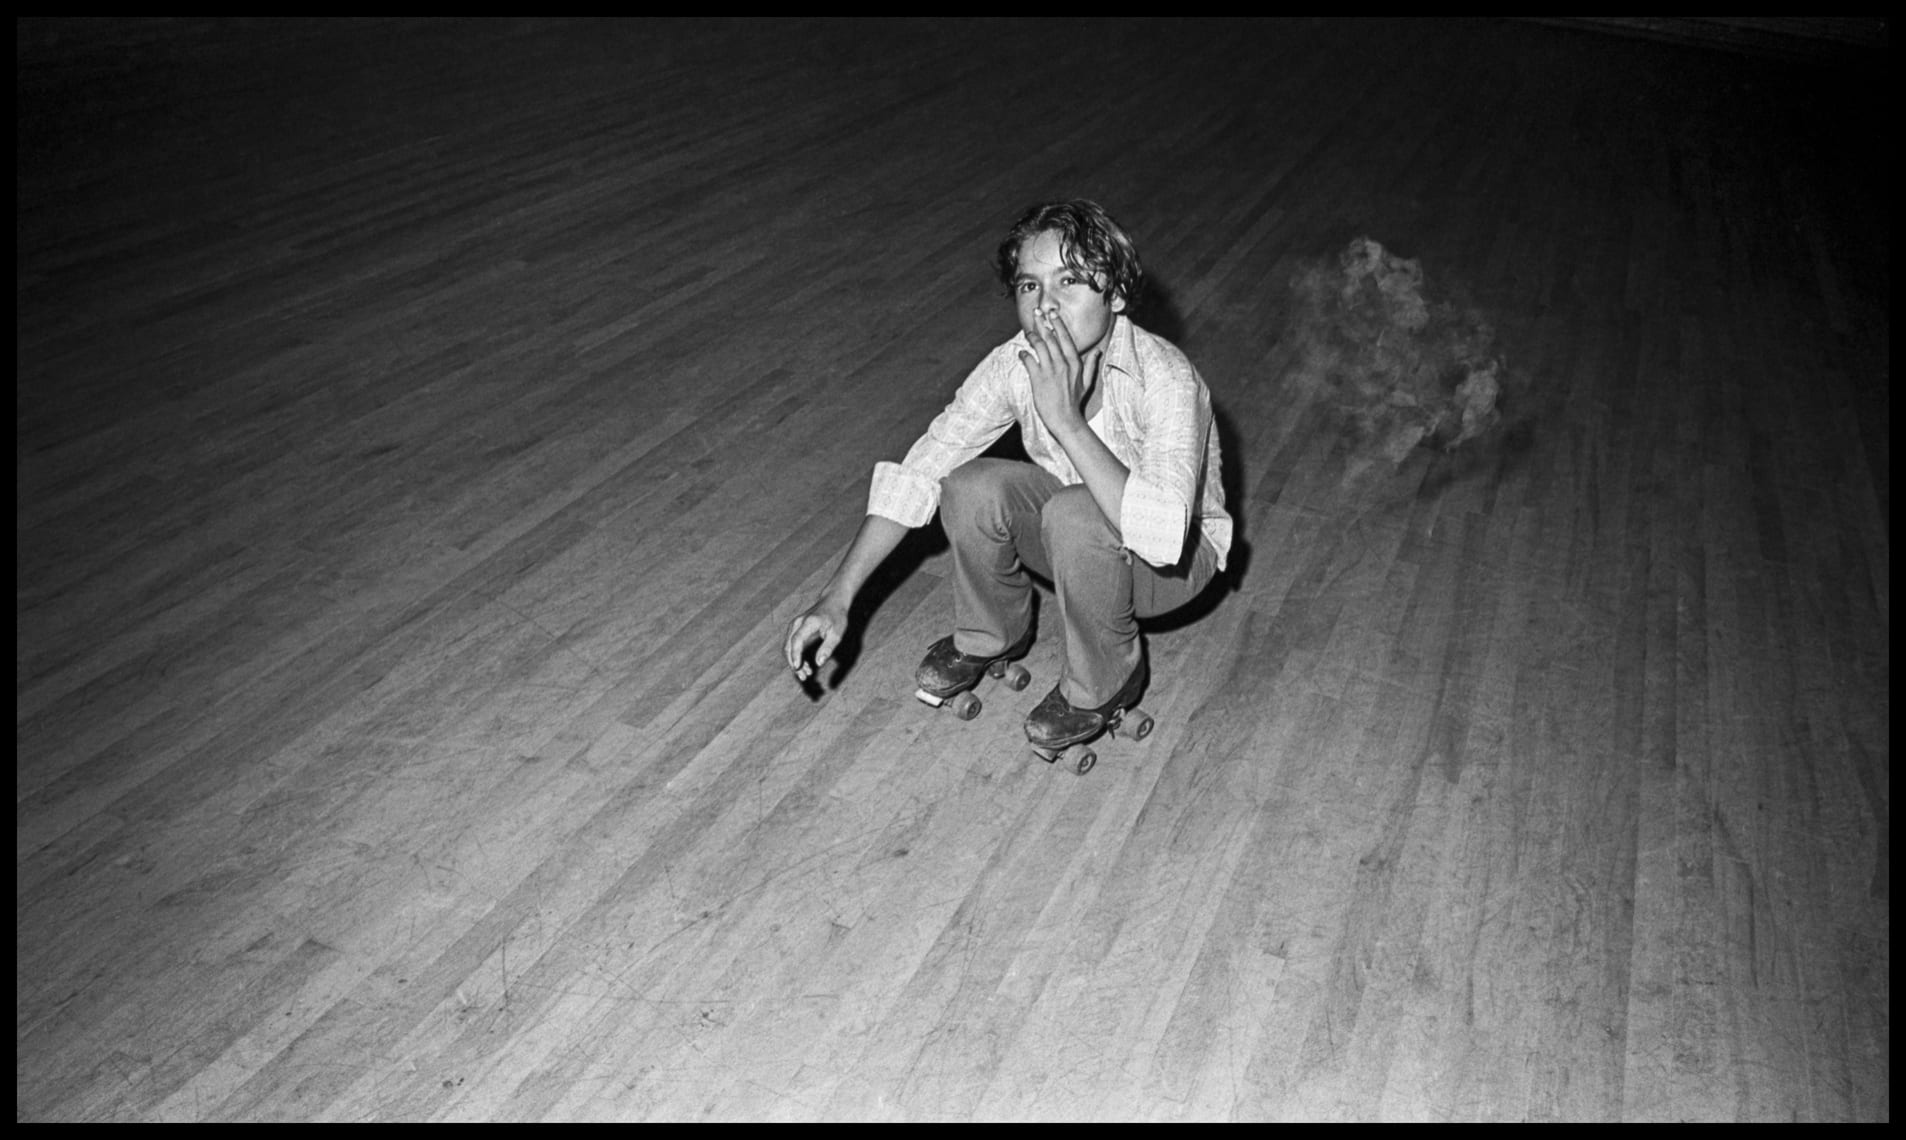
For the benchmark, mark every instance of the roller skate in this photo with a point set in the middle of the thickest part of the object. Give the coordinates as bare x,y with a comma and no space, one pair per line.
948,677
1055,728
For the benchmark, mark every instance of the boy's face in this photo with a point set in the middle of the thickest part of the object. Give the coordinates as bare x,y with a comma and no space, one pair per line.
1045,284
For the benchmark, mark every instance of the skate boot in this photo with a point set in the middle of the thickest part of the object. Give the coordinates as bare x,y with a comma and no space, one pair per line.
1054,727
947,676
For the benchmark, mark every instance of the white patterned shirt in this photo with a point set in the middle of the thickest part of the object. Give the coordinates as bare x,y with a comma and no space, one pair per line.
1155,416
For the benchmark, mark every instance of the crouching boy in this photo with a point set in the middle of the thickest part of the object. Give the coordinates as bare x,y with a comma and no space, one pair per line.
1121,508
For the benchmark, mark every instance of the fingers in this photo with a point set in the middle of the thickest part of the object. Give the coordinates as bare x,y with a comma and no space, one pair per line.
1043,353
1054,346
1061,336
795,644
805,632
1044,326
792,647
1046,352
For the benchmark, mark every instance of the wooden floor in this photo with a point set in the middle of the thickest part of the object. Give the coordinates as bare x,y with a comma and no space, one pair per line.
424,433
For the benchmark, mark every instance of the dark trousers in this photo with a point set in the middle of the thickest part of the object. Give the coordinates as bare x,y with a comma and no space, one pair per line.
1005,518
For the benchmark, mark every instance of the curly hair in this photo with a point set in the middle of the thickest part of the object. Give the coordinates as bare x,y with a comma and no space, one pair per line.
1089,240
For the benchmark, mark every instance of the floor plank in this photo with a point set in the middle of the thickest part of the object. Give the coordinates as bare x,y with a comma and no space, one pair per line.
425,430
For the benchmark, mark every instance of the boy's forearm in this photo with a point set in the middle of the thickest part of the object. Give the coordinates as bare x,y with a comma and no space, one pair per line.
1102,471
873,542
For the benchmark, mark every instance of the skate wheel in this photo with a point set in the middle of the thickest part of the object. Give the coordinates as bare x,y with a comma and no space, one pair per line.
1017,678
1141,726
1088,760
966,706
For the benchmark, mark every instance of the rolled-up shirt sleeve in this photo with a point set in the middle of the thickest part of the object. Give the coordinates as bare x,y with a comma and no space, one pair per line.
908,492
1162,490
903,495
1153,522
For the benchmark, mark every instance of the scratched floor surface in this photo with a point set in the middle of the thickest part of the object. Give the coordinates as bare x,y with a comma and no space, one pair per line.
425,431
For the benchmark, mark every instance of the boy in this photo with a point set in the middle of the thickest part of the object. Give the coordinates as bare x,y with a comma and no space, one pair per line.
1121,508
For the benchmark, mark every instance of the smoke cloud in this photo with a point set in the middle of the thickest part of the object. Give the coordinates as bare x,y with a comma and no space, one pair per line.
1403,367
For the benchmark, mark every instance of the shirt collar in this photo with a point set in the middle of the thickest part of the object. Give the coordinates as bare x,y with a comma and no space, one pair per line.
1120,351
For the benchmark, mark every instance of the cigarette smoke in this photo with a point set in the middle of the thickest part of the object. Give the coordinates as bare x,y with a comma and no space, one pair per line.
1404,369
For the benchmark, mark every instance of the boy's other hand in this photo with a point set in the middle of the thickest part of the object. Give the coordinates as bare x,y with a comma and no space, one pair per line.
825,623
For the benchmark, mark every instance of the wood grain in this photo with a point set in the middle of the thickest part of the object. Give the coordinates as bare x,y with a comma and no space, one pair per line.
425,430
